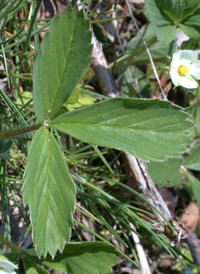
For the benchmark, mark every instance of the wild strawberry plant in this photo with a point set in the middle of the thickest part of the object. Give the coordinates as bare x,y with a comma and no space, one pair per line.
150,129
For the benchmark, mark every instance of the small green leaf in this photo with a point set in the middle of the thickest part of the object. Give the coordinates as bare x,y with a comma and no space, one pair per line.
195,116
5,145
62,61
165,173
50,193
24,98
193,160
73,98
191,44
191,27
157,50
83,99
155,14
166,33
29,268
166,15
128,81
84,258
12,257
32,267
148,129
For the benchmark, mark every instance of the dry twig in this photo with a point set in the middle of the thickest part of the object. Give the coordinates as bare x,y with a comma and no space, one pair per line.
140,251
138,167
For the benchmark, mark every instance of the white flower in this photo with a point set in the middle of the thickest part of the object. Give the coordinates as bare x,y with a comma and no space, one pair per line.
7,267
185,69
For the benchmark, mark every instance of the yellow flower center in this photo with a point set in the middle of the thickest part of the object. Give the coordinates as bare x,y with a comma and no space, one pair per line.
183,70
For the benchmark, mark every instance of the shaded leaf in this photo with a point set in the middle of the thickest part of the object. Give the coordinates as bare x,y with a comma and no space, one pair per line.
32,267
191,44
191,25
195,116
84,258
128,83
148,129
50,193
193,160
62,61
157,50
5,145
166,33
166,15
165,173
29,269
13,257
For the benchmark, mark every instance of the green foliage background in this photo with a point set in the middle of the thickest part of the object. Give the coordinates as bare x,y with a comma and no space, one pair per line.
63,158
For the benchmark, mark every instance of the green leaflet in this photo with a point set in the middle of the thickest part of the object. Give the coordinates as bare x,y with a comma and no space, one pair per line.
32,267
166,15
84,258
166,173
148,129
79,257
191,26
193,160
62,61
157,50
50,193
5,145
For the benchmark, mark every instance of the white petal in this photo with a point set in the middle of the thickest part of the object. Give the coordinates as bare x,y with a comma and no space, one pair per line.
188,56
185,62
194,70
175,76
5,271
7,266
176,60
188,83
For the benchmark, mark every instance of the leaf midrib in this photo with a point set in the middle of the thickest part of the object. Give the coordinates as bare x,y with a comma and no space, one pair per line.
125,128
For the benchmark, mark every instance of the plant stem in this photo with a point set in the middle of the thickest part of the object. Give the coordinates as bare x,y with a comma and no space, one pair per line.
18,131
17,76
9,244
